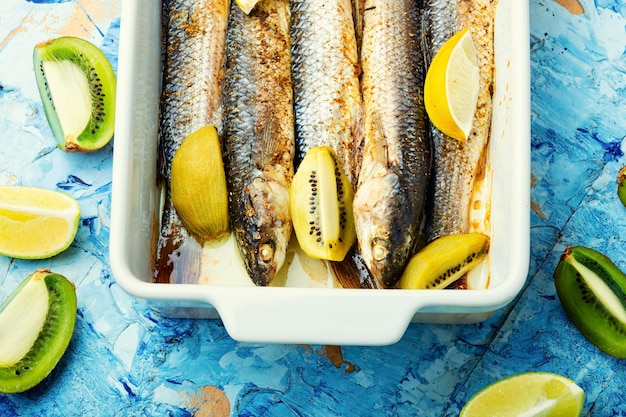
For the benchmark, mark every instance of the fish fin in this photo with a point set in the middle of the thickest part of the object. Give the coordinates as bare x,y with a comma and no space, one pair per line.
186,266
357,152
353,273
346,274
377,145
358,8
268,145
428,53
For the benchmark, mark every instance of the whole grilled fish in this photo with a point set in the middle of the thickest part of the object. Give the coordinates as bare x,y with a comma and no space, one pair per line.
258,134
193,45
327,96
396,161
457,165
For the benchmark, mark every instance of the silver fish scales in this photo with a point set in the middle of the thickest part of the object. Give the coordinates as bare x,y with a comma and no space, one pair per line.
396,160
193,45
258,134
326,69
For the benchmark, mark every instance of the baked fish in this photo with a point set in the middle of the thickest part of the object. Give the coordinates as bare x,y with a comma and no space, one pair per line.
396,161
458,165
258,134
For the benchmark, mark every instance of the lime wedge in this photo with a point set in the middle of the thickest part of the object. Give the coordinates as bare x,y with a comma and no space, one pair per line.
530,394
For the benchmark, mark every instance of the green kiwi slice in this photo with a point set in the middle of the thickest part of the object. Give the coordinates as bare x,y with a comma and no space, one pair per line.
320,200
592,290
36,325
77,85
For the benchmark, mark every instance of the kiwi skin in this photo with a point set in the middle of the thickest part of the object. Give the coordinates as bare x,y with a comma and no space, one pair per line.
587,309
53,339
102,85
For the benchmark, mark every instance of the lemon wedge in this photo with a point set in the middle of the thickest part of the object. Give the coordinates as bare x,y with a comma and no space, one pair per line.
246,5
451,86
36,223
528,394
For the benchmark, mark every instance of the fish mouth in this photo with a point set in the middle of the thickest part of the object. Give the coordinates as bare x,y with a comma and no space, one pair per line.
261,260
386,227
262,233
387,258
264,255
385,249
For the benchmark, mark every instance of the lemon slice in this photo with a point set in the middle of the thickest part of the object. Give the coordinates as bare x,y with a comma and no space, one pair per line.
246,5
451,86
36,223
528,394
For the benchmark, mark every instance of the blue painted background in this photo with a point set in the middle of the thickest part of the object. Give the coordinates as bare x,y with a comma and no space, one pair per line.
125,359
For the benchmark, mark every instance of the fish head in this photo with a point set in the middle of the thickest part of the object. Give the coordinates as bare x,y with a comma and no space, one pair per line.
385,225
266,231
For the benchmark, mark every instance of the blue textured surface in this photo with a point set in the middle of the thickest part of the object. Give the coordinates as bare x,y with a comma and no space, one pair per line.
125,359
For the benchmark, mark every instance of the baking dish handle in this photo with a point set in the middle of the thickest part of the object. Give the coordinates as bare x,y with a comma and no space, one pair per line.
285,315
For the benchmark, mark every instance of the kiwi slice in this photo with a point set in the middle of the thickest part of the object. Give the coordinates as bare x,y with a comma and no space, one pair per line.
621,185
321,206
198,184
77,85
592,290
444,260
36,325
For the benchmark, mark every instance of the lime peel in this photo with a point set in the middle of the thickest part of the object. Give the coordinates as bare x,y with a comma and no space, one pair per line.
527,394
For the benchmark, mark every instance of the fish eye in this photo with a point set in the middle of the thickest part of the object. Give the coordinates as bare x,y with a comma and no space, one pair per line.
266,251
380,250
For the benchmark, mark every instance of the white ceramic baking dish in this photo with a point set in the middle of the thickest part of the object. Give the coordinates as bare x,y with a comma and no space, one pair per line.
295,314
